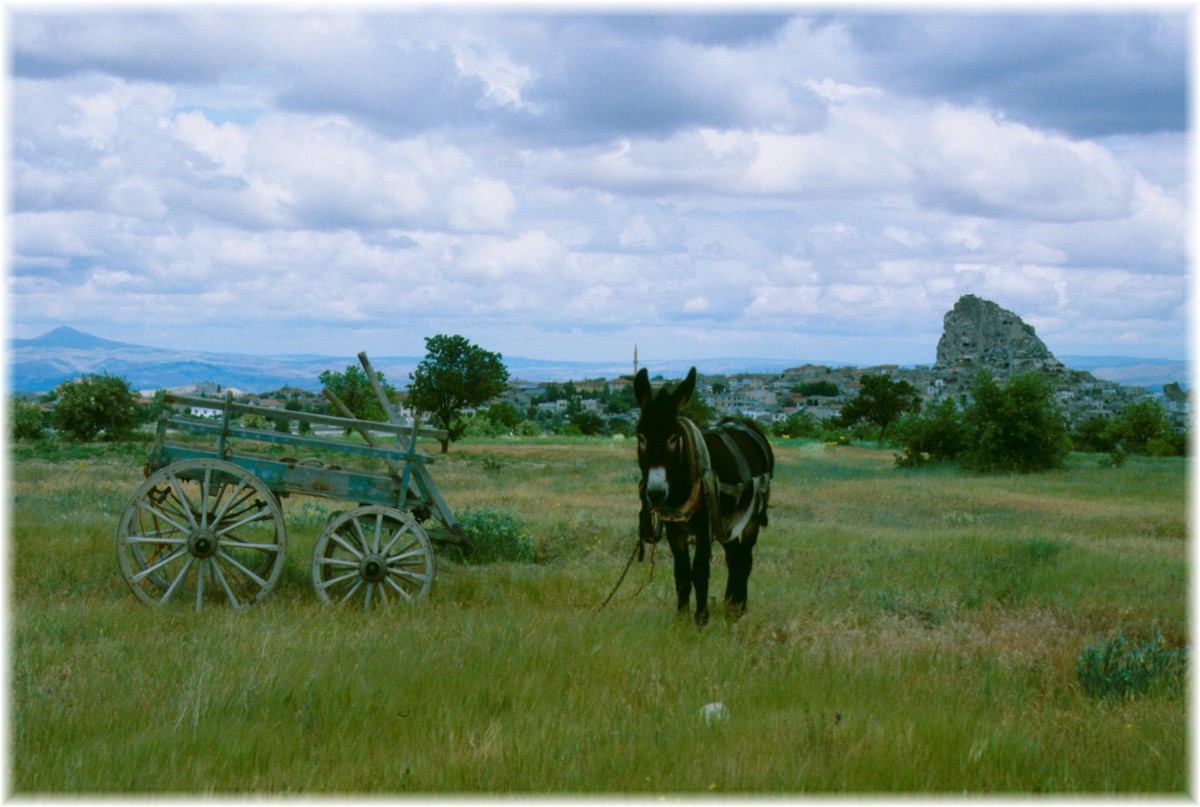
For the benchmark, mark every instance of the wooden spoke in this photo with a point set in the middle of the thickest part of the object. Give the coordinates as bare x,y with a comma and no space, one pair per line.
362,557
205,531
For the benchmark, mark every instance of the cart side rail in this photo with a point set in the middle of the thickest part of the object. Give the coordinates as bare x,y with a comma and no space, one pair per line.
198,426
399,430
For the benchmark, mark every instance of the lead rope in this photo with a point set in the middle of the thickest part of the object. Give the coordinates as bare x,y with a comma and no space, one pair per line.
637,549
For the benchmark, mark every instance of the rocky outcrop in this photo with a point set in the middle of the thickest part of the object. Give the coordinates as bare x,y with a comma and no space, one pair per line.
978,333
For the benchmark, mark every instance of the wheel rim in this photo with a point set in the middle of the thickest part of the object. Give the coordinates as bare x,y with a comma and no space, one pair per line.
202,531
374,556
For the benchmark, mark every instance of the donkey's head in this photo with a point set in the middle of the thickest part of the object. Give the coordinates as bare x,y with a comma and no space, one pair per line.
662,453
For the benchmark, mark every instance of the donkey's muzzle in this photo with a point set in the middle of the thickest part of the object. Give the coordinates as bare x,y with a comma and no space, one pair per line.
656,486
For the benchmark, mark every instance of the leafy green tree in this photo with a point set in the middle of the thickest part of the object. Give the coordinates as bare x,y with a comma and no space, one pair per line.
93,404
621,401
589,423
454,375
505,414
699,412
1018,428
818,389
149,413
294,405
881,401
1096,434
934,435
1141,425
354,389
27,421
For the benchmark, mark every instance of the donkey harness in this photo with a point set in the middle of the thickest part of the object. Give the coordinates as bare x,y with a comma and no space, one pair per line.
707,489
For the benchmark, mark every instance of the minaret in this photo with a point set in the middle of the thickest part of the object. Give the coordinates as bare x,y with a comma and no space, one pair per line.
635,358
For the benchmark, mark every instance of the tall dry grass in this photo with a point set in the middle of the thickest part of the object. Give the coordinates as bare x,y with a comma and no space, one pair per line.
907,633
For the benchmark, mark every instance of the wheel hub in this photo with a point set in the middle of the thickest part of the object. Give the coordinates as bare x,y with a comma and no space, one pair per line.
202,543
373,568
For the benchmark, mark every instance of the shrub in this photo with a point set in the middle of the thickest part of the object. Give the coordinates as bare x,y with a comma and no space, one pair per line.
253,421
934,436
482,425
589,423
1116,668
496,535
26,421
798,424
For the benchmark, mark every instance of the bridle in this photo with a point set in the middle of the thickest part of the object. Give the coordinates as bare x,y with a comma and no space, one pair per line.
703,491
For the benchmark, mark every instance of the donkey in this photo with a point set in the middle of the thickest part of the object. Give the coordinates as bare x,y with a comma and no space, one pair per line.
709,485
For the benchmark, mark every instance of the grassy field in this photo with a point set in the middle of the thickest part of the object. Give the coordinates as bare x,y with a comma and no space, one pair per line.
907,632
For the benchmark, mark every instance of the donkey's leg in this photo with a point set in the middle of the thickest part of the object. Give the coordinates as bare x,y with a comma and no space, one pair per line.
741,561
733,562
700,570
677,539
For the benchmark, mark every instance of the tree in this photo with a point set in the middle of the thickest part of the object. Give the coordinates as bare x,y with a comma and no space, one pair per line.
621,401
699,412
27,422
150,412
934,435
1097,434
454,374
354,389
1017,428
93,404
294,405
589,423
881,401
817,389
1140,425
505,414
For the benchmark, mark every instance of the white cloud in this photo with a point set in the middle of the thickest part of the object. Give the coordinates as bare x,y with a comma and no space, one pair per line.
481,205
532,253
716,186
975,162
225,144
505,80
638,234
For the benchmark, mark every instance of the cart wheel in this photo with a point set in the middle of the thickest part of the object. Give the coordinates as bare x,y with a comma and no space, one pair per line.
205,530
375,555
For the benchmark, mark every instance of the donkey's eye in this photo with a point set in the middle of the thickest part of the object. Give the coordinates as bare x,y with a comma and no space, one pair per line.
673,442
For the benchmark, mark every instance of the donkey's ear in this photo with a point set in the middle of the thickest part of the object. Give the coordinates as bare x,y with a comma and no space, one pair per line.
642,392
683,393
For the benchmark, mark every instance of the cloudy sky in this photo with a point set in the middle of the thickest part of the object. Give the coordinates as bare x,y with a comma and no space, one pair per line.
563,184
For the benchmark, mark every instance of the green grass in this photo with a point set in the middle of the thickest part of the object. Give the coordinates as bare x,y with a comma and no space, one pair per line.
907,632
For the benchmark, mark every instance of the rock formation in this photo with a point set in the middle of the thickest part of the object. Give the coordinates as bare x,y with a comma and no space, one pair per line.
978,333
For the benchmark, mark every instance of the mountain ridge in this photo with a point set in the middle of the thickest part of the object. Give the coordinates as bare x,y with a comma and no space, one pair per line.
42,363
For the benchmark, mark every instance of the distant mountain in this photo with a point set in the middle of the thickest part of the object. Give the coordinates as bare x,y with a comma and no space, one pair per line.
1133,372
68,338
39,365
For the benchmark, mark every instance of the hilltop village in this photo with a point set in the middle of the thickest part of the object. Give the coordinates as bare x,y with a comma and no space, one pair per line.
978,334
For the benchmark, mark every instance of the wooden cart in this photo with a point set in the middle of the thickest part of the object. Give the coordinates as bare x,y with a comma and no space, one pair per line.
207,524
